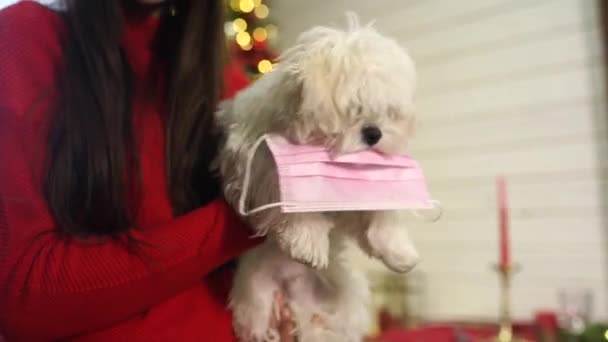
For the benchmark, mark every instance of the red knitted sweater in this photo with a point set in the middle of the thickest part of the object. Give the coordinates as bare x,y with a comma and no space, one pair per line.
57,288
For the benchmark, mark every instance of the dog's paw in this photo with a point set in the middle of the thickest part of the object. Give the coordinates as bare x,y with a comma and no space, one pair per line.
271,335
311,250
253,326
400,259
252,316
394,248
307,240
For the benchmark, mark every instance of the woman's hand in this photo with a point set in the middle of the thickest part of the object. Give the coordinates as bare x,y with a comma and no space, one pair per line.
283,319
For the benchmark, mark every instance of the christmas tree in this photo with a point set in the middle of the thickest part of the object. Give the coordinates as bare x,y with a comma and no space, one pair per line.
250,35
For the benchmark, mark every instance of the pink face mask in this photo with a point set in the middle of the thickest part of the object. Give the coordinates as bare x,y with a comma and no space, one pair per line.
312,180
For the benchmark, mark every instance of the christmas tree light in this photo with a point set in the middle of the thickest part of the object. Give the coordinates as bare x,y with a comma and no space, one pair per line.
250,35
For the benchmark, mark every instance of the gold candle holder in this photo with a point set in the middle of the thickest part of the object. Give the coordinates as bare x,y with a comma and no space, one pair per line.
505,332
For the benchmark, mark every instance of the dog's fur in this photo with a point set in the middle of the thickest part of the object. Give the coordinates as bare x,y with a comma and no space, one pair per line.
325,90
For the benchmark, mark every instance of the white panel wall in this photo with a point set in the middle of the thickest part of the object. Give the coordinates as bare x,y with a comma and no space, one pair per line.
4,3
506,87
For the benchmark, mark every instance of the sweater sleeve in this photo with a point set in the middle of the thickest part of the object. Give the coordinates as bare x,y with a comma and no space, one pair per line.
52,286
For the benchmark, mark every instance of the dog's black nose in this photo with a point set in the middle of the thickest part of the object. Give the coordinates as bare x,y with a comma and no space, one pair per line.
371,135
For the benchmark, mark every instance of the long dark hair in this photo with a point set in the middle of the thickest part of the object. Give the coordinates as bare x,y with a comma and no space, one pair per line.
92,164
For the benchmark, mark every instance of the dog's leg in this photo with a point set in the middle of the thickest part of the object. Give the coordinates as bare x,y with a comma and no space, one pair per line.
387,238
332,305
351,318
305,237
252,295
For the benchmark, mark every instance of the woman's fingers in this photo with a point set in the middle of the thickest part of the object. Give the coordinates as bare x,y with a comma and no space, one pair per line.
285,324
318,321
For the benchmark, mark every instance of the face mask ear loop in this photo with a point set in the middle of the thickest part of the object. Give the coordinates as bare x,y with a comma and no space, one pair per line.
438,209
247,181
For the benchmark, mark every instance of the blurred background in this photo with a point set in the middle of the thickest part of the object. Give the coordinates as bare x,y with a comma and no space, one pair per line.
513,89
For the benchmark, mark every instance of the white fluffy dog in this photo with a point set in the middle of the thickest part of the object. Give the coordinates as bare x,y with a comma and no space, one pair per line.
350,90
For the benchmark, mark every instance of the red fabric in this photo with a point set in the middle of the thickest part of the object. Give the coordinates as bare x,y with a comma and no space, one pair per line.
547,320
53,287
235,79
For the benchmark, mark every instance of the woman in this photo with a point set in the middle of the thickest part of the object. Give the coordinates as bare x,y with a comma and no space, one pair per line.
111,227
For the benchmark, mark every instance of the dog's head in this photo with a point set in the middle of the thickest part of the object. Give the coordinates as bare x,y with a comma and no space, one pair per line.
355,90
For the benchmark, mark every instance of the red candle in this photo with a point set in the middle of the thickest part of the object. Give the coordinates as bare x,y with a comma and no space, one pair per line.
503,228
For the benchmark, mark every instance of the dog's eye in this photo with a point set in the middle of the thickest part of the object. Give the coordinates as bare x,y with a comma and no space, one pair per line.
358,111
393,114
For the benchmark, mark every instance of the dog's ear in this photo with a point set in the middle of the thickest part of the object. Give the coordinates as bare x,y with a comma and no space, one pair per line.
287,98
274,100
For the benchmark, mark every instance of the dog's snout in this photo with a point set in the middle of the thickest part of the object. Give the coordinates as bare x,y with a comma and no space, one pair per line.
371,135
